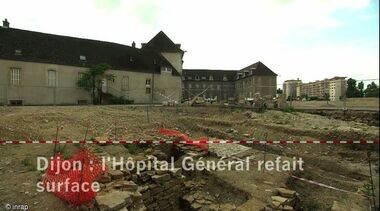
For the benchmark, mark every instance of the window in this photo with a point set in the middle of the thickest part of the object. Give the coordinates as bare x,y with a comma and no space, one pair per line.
125,83
189,77
80,76
15,76
189,86
15,102
203,77
197,77
147,81
52,78
167,69
147,86
224,78
18,52
82,58
211,78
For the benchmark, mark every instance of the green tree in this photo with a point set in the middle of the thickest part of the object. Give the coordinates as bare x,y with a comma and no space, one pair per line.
326,96
92,81
372,90
279,91
352,90
361,89
305,96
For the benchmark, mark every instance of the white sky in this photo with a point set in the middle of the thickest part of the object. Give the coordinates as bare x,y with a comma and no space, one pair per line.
306,39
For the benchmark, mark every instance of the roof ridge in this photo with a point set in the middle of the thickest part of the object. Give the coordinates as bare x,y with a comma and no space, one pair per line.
70,37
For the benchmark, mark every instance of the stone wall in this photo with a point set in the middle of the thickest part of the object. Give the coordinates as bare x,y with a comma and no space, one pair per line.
147,190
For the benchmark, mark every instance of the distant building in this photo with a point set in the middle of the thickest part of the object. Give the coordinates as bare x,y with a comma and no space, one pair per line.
291,88
210,83
334,87
338,88
41,69
227,84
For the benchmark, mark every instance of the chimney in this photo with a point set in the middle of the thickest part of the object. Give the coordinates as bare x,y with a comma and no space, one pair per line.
5,23
133,44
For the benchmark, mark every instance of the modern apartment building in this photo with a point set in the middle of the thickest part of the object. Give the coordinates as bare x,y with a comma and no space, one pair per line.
335,87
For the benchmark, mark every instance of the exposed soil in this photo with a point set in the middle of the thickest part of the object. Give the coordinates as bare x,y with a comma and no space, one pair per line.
340,166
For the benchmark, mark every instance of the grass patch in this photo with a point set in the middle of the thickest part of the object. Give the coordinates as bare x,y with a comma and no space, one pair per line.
27,162
289,110
313,205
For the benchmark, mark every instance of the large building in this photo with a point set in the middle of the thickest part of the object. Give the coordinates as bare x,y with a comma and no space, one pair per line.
43,69
292,88
335,88
219,84
226,84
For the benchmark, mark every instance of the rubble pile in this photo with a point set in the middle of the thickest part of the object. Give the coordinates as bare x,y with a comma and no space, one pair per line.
198,198
284,199
147,190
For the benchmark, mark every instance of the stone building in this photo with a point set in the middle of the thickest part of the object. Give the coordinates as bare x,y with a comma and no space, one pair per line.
219,84
227,84
41,69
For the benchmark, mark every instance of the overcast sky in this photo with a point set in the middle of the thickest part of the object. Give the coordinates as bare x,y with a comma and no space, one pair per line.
306,39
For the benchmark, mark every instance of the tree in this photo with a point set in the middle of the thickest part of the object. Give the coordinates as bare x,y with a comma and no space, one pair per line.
361,89
372,90
304,96
279,91
92,81
352,90
326,96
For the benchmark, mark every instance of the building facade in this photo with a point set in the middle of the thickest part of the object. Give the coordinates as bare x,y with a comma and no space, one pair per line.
224,85
210,84
335,87
292,88
43,69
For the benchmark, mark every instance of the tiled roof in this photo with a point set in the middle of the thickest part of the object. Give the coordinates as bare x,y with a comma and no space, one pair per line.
260,69
256,69
162,43
29,46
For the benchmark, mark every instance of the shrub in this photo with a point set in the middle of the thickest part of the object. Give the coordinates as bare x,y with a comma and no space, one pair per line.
120,101
288,110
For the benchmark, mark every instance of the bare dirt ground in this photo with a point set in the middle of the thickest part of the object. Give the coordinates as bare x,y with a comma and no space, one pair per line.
341,166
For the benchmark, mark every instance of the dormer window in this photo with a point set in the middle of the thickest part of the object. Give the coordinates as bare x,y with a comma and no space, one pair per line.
18,52
197,78
203,77
225,78
166,69
82,58
211,78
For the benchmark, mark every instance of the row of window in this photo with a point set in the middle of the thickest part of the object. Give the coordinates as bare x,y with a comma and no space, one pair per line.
211,86
52,79
15,77
211,78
